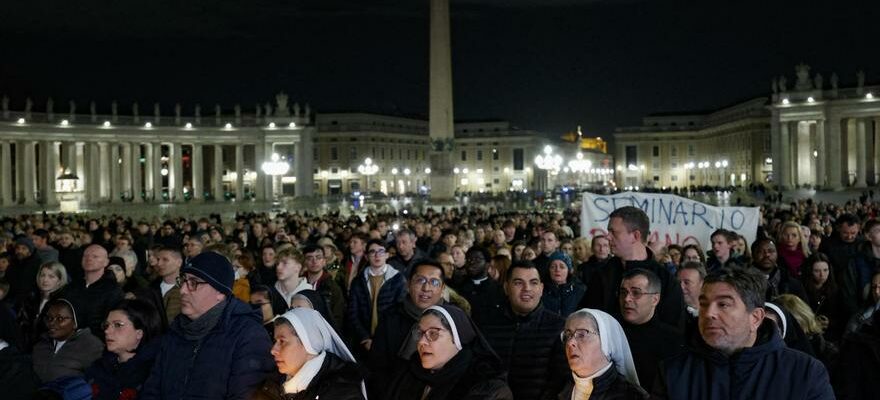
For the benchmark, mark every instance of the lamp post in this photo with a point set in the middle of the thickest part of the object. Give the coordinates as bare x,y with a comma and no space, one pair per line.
579,166
548,161
275,168
368,169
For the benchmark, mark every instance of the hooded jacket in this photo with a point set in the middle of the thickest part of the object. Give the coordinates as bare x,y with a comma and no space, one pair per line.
767,370
230,362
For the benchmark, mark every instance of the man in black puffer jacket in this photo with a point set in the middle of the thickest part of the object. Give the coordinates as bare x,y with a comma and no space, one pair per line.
526,336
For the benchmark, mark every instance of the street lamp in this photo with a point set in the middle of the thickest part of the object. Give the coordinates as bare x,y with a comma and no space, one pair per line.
548,161
580,166
275,168
368,169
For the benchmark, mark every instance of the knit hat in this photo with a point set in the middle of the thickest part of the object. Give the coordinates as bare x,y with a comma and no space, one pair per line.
213,268
27,242
559,255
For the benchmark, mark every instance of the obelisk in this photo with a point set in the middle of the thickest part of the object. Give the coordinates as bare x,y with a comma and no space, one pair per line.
440,122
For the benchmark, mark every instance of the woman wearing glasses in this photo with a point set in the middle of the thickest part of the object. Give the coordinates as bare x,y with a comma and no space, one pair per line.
314,361
131,333
599,357
454,361
68,348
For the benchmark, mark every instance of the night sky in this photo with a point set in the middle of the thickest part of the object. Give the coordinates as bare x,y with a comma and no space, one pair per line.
548,65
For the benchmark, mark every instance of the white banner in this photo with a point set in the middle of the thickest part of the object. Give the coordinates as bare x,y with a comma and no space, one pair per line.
674,219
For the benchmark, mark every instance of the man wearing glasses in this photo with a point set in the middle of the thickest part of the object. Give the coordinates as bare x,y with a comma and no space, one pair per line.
377,289
425,289
216,348
649,339
628,230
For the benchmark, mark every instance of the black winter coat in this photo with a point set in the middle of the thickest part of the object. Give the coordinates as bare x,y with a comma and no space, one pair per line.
109,378
767,370
17,377
609,386
472,377
858,364
485,298
95,301
530,350
393,329
563,299
337,379
651,343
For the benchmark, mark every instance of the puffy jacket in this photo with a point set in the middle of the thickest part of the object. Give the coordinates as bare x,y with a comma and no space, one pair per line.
530,350
563,299
360,310
767,370
230,362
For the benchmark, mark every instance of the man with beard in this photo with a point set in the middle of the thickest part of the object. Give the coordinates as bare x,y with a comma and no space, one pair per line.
426,287
526,336
484,294
22,273
70,255
778,280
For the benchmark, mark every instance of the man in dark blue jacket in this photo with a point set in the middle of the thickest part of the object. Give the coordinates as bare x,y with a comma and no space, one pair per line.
217,347
738,354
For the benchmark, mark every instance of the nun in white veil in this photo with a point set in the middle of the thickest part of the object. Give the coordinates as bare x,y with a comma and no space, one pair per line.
314,361
599,358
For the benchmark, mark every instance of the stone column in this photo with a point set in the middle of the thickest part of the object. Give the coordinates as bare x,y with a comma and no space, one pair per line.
29,178
785,155
115,174
260,185
92,176
104,170
6,168
305,177
217,177
126,171
775,150
835,173
48,168
156,171
137,186
440,112
875,154
822,154
239,172
198,187
861,154
176,172
69,162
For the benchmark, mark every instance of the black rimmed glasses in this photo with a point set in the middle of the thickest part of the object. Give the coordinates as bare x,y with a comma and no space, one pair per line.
192,284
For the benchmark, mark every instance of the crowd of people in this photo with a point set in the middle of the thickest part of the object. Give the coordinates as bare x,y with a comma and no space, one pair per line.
452,304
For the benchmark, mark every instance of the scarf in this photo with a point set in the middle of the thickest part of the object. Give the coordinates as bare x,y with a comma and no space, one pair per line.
440,382
583,387
305,375
198,328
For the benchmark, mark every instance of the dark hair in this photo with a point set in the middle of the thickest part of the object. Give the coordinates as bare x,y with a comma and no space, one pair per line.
143,316
424,262
246,260
749,283
262,289
728,235
520,264
654,284
42,233
849,219
694,265
482,250
311,248
379,242
635,220
830,286
760,242
870,224
405,232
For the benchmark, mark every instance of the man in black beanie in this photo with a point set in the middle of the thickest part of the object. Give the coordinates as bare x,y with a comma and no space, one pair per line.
217,346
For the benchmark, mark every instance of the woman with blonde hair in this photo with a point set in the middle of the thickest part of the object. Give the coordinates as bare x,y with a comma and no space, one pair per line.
581,251
793,248
810,323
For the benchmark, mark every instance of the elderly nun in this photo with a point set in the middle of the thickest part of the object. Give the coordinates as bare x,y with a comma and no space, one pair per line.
314,361
599,357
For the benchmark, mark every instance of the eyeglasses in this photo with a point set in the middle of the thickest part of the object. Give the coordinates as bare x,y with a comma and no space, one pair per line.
376,252
579,335
117,325
48,319
192,284
635,293
430,334
421,281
